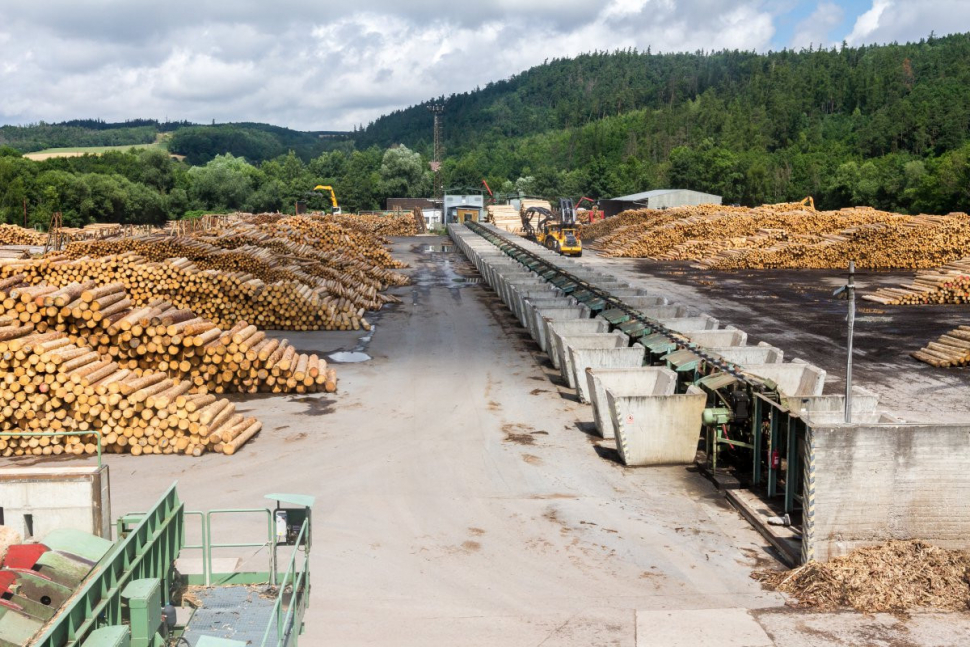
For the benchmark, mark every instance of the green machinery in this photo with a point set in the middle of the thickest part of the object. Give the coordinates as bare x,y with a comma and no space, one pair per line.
86,591
747,426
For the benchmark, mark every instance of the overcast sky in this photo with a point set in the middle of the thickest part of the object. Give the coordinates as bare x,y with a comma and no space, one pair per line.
318,65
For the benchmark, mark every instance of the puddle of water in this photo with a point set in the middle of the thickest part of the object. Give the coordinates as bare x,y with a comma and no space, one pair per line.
439,248
348,357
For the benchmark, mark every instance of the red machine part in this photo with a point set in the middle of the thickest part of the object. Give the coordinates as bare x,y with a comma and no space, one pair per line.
24,556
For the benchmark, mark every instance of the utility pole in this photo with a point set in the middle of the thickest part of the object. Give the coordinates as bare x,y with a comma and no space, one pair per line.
848,292
437,109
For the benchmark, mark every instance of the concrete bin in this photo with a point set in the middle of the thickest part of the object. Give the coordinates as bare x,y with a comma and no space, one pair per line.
537,326
637,303
793,379
718,338
690,324
602,358
864,402
749,355
542,317
572,327
657,429
663,312
602,340
650,380
519,297
529,305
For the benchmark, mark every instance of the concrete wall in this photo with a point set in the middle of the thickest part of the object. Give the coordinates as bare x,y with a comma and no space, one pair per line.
48,498
648,380
871,483
659,429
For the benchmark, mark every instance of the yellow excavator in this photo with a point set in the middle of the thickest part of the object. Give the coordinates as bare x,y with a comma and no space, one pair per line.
333,196
554,231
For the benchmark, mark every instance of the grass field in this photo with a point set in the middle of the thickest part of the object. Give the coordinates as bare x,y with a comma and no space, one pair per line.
82,150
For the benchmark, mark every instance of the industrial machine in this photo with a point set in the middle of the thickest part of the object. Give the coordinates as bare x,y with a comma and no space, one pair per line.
75,589
333,196
491,196
554,231
594,214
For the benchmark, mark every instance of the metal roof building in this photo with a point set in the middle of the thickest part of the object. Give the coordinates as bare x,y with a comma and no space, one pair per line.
657,199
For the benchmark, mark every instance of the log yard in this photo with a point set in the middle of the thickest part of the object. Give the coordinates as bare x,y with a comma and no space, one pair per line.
502,441
618,324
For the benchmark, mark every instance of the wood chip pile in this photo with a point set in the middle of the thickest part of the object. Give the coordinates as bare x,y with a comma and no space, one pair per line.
293,274
949,284
505,216
788,235
895,577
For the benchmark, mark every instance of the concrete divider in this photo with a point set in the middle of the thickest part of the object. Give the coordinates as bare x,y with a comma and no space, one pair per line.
718,338
586,358
657,429
542,316
647,380
745,355
599,340
572,327
793,379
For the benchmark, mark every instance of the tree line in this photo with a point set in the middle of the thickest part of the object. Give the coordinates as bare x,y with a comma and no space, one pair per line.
148,186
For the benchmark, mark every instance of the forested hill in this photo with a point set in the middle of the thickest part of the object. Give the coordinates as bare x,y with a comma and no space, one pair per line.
910,97
752,127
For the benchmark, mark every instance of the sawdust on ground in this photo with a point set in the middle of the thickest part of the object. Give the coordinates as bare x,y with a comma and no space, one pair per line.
893,577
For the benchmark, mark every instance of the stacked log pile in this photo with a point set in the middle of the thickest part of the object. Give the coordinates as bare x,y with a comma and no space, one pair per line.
952,349
17,235
397,223
528,203
289,274
54,385
505,216
949,284
164,338
789,235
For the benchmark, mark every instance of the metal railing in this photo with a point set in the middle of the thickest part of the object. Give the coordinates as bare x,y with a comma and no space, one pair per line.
296,581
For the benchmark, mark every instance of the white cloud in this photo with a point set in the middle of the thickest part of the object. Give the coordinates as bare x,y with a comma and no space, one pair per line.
868,22
908,20
314,65
816,29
